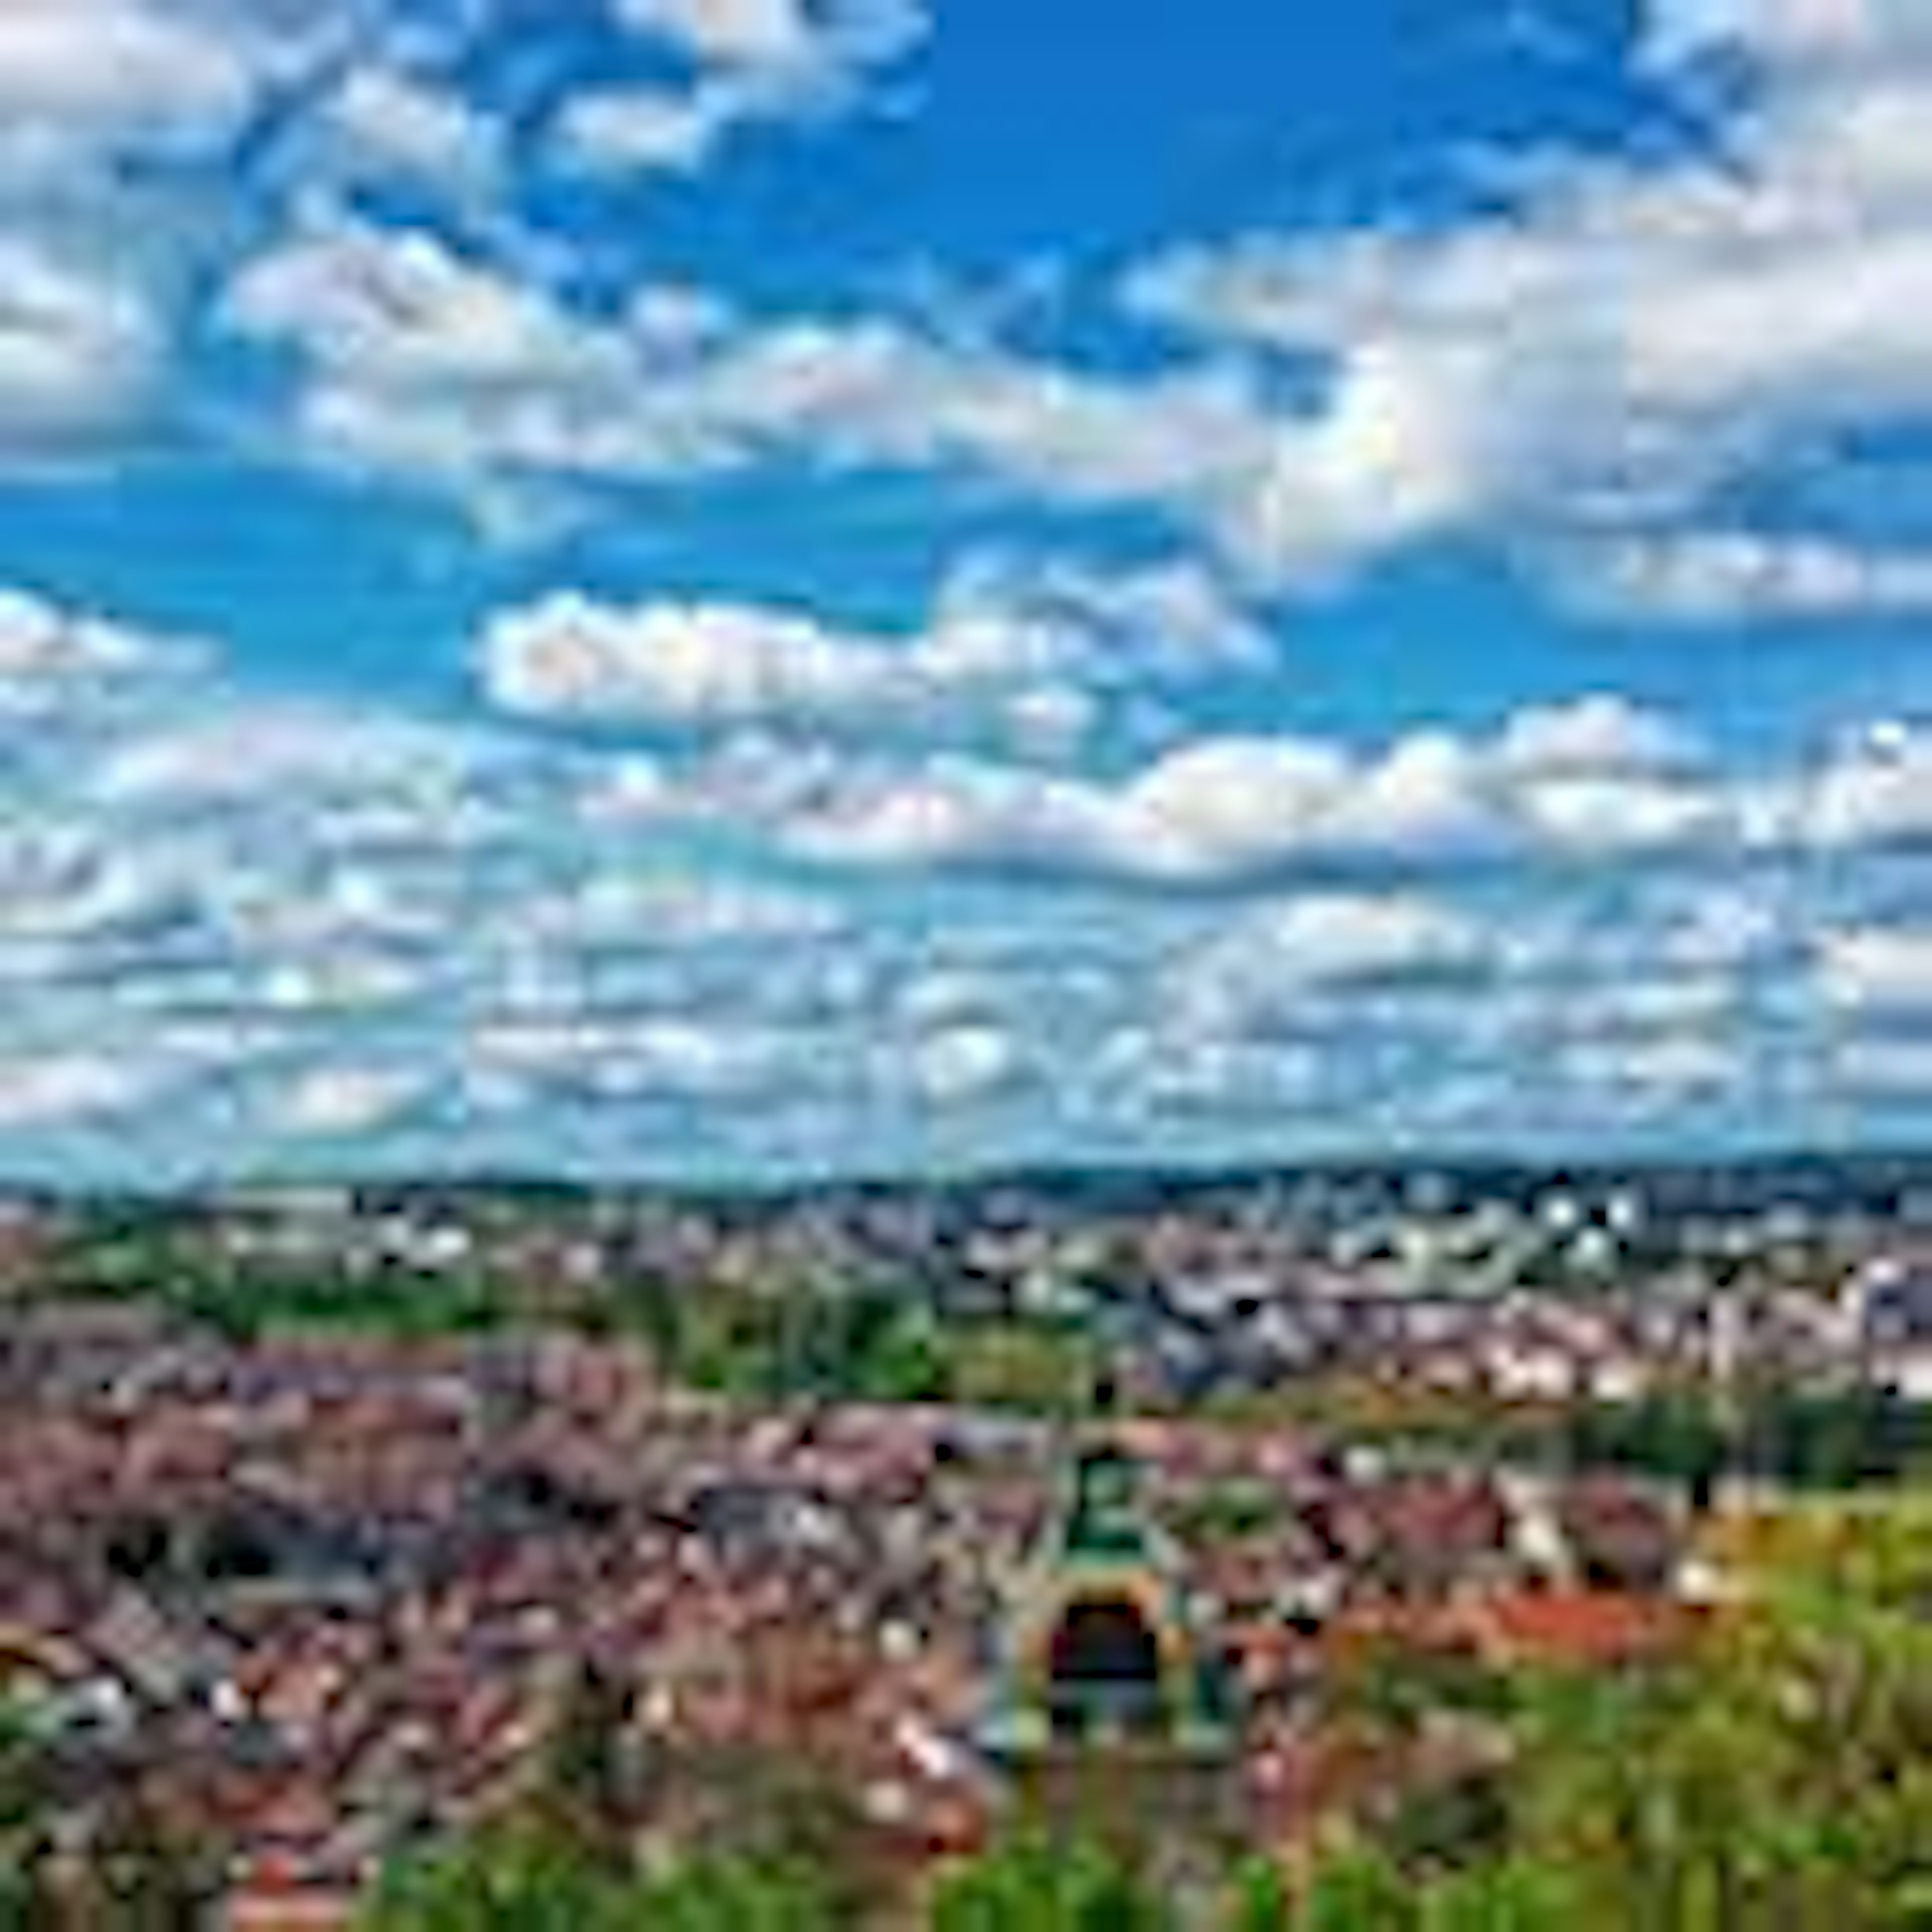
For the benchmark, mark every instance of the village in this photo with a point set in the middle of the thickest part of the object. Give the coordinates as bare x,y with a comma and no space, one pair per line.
324,1596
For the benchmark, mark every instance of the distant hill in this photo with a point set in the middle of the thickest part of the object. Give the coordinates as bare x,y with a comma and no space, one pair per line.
1880,1182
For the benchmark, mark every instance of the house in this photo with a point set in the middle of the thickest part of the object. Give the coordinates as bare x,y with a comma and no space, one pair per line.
1577,1629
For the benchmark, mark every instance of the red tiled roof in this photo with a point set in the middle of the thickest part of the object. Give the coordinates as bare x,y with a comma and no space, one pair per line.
271,1909
1577,1627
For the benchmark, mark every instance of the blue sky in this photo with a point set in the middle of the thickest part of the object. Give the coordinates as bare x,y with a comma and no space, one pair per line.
719,588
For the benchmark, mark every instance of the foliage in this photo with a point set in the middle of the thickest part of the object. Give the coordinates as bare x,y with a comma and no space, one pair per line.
1778,1773
1038,1884
1818,1438
522,1878
24,1821
1227,1512
513,1880
1258,1898
245,1302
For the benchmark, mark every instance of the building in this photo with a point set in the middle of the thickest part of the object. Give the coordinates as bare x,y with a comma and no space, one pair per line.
1103,1641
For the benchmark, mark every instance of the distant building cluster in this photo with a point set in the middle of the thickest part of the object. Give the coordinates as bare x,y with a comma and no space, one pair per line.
326,1595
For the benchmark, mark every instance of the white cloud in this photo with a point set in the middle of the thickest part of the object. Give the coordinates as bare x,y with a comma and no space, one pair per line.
1739,576
349,1102
1023,651
955,813
1350,938
681,1056
1580,379
1886,1070
1226,804
1598,779
1213,812
68,887
56,662
383,123
1232,805
290,754
1626,814
1670,1065
669,909
1877,968
1678,1005
1167,1072
958,1065
139,139
1603,361
390,310
144,142
84,82
1876,791
646,129
1599,734
753,62
341,983
1801,35
415,360
754,33
80,347
61,1089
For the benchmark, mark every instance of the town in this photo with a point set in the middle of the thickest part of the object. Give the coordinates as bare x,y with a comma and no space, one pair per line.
325,1514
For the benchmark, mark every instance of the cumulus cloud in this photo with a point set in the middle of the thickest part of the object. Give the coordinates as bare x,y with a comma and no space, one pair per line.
395,308
687,1057
1628,814
1026,653
346,916
118,120
1583,379
1600,778
1742,577
416,360
80,347
56,662
1350,938
59,1089
255,900
286,753
1598,781
959,1065
383,124
1806,36
1599,734
750,33
1603,360
1875,790
1879,969
1580,379
87,83
144,144
1666,1068
751,62
596,989
1888,1071
671,909
349,1102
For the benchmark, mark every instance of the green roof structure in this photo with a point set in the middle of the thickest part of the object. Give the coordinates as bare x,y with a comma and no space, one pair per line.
1102,1644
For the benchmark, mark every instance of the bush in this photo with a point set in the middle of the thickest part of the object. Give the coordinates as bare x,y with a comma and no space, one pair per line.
1037,1885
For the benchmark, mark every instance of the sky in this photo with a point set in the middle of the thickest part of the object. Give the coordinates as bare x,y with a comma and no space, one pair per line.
727,589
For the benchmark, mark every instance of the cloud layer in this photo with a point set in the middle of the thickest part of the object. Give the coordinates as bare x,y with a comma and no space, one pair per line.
236,932
937,714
